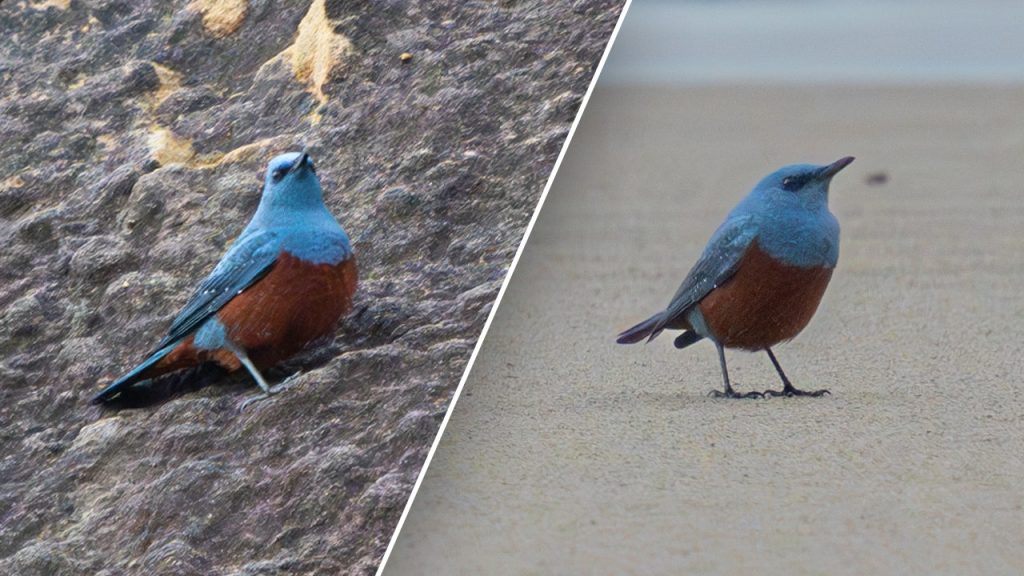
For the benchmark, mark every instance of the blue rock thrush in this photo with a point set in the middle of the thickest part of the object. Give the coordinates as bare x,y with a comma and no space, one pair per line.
285,282
761,276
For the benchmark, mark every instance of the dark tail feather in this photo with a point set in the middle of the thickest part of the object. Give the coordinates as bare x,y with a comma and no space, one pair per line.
687,338
132,377
647,329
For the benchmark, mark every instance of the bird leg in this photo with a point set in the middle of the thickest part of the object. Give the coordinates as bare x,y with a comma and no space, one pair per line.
729,392
787,387
286,383
280,387
244,359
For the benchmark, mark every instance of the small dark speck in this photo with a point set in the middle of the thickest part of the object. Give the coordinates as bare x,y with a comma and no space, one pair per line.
876,178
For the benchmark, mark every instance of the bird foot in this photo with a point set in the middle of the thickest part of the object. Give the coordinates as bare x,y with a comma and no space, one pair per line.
730,393
272,391
790,392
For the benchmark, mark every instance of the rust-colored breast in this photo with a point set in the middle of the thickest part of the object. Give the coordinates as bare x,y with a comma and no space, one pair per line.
765,302
186,355
294,304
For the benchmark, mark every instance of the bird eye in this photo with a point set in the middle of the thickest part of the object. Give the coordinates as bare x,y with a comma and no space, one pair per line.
276,175
791,183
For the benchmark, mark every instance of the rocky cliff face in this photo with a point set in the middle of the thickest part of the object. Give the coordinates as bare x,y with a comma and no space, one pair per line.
132,138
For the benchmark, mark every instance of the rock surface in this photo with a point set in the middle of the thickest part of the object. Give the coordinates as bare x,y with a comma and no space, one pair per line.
132,138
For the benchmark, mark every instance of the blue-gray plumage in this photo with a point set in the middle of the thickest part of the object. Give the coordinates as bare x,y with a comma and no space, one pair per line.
785,232
291,226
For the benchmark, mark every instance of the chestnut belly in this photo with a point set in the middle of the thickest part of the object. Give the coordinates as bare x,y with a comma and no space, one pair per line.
294,304
765,302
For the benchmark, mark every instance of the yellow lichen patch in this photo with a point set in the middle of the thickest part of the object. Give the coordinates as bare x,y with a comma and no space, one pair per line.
106,140
44,4
169,82
220,17
12,182
248,151
317,50
167,148
92,21
78,82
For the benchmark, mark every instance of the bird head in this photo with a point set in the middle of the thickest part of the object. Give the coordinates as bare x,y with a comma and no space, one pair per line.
801,184
291,182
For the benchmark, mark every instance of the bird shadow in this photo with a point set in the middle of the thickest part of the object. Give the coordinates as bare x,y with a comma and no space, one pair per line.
163,389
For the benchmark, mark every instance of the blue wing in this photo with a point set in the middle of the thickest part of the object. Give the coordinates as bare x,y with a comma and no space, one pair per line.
248,260
717,264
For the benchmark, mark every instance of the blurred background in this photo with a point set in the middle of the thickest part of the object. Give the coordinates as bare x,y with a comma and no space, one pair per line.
568,454
819,41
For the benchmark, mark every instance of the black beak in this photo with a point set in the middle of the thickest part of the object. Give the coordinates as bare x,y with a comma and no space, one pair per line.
834,168
303,161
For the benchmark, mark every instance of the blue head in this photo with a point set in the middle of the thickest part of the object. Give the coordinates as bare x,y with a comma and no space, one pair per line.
799,186
291,194
790,216
291,183
293,206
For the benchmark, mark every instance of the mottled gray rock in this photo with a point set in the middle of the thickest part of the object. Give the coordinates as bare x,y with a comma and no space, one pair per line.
132,139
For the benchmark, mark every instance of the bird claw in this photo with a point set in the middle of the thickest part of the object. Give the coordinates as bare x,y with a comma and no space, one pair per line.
252,400
734,394
790,392
272,391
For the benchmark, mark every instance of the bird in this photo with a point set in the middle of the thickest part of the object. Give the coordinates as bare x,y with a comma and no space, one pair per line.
285,281
761,276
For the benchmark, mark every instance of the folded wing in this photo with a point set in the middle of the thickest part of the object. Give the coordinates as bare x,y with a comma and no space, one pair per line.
717,264
246,262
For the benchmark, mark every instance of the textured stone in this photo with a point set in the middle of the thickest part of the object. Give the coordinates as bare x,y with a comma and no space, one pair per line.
133,135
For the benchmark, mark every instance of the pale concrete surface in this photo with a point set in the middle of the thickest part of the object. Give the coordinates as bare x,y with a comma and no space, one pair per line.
569,454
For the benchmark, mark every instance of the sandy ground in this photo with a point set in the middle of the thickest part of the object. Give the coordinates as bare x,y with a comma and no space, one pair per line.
568,454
